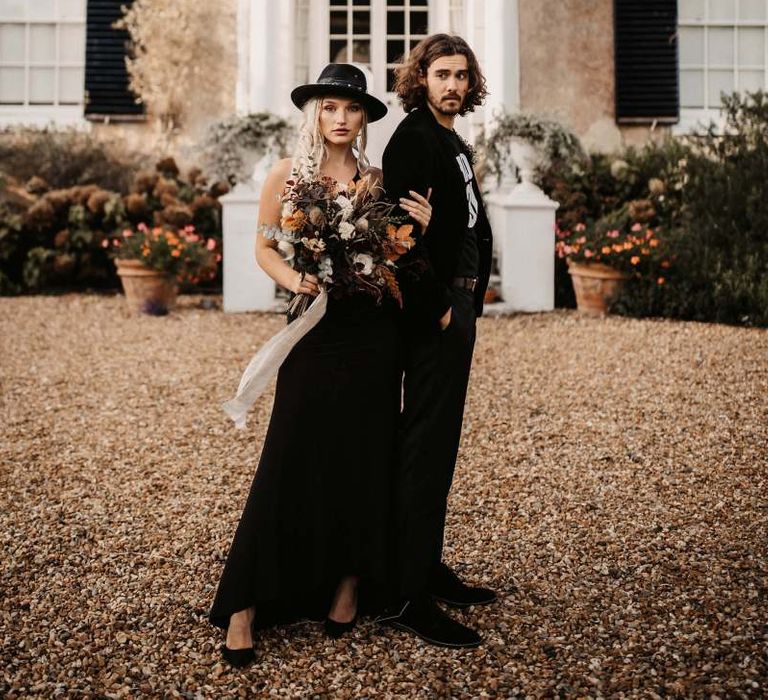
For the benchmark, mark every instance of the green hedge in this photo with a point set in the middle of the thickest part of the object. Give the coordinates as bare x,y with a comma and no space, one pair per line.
715,193
59,206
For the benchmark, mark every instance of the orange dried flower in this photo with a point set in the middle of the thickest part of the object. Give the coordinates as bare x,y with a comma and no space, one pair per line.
294,222
400,239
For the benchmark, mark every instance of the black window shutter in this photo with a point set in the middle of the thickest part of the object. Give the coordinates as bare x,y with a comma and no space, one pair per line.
647,76
106,79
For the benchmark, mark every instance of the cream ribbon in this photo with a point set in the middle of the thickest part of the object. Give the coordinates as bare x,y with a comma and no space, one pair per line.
265,364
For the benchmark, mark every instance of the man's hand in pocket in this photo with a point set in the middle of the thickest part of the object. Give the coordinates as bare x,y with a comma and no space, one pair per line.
445,320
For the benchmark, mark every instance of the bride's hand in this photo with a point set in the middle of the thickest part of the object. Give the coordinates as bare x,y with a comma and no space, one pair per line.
419,208
305,284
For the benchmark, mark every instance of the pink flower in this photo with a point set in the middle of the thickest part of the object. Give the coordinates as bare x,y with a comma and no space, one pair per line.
142,227
613,234
210,244
588,253
105,243
579,227
637,227
127,233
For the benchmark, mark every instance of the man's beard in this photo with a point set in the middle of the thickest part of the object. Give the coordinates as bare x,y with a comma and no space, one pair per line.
446,107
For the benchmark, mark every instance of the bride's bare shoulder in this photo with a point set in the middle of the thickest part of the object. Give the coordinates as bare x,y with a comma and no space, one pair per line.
278,174
281,169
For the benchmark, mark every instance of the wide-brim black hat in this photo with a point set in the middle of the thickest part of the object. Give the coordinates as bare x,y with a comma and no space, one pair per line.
343,80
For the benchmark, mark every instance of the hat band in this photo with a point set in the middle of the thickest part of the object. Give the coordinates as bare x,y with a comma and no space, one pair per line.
339,83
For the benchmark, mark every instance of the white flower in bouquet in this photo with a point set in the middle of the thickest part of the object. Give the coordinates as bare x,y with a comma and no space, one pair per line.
285,235
325,269
363,263
287,250
314,244
287,210
345,206
346,230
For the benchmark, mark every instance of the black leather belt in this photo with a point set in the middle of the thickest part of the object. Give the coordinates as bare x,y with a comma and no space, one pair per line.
465,283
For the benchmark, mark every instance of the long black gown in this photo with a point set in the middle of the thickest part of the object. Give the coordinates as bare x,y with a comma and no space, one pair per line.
320,506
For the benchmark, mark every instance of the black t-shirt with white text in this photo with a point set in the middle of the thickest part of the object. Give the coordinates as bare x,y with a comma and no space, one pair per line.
468,263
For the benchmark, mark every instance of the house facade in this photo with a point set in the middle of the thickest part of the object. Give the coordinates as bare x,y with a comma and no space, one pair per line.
615,71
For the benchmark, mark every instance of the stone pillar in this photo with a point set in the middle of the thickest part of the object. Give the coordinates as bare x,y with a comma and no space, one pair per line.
523,221
265,56
246,286
501,62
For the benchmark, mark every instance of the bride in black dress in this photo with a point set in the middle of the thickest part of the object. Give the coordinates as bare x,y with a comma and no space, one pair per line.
316,525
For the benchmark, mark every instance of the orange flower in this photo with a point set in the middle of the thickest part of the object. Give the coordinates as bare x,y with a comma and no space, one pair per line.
634,259
294,222
617,247
665,264
645,251
175,253
660,280
400,239
605,250
654,242
628,245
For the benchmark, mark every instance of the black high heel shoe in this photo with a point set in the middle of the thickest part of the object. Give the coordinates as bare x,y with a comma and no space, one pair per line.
240,658
334,629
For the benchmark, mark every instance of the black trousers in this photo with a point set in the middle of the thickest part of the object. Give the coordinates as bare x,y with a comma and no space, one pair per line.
437,365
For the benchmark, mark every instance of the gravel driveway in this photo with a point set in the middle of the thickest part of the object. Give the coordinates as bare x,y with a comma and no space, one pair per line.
612,485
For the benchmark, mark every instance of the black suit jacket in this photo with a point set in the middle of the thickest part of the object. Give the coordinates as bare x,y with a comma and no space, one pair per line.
418,156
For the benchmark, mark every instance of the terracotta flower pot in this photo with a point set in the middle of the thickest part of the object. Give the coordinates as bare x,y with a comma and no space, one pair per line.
595,285
146,290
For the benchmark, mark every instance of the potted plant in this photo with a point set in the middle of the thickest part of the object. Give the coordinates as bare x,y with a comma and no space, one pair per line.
152,261
232,147
527,143
602,255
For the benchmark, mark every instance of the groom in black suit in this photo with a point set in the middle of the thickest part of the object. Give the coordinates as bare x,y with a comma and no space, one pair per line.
443,282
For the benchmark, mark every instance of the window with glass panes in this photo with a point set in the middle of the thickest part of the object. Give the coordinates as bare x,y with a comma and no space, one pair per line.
350,32
723,47
407,25
42,52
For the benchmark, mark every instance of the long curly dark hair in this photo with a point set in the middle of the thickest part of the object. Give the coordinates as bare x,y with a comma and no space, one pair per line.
413,94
